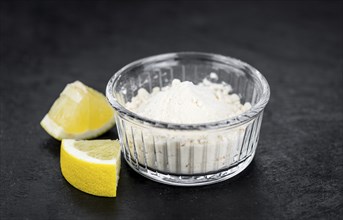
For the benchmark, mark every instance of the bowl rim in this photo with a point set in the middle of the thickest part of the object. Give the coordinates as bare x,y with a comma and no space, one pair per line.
235,121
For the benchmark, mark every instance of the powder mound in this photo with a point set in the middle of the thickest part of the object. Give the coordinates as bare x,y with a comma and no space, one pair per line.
186,103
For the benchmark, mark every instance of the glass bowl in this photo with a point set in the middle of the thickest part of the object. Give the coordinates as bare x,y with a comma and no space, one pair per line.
188,154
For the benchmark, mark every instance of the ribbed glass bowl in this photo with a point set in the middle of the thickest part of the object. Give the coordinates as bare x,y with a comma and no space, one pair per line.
188,154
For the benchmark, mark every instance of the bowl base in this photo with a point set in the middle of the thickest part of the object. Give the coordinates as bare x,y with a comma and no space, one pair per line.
192,180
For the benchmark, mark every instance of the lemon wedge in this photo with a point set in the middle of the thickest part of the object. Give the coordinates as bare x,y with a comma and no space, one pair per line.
91,166
80,112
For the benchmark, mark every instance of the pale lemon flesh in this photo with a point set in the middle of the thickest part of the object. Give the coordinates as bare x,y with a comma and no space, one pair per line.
80,112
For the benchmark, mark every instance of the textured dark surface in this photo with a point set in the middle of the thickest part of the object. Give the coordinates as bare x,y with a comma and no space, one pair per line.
297,172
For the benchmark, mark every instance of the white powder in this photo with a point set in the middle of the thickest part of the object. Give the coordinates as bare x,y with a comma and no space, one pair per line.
186,103
186,152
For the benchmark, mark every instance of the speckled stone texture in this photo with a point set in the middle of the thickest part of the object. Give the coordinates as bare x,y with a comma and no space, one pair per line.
297,172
